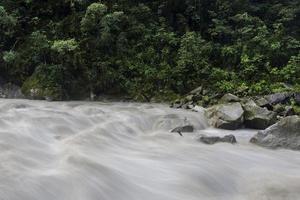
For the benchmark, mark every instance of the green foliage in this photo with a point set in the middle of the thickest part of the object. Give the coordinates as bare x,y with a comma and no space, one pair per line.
150,49
92,19
193,60
9,56
289,73
64,46
47,81
7,22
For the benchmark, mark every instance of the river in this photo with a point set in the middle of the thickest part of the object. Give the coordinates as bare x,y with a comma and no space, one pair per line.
125,151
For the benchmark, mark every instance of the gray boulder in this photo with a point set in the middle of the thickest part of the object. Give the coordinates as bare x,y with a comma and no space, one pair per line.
229,98
284,134
226,116
257,117
279,97
215,139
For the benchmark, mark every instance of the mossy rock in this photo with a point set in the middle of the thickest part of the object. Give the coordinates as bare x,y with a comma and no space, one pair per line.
33,89
296,109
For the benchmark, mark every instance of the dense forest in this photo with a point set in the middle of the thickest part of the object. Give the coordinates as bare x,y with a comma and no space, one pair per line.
150,49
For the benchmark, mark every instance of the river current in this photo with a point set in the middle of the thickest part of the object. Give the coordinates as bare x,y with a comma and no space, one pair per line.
125,151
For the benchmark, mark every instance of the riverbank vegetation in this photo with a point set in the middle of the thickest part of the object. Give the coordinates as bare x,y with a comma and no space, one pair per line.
150,49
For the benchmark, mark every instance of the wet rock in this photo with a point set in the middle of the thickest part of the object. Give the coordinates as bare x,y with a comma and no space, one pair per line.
183,129
257,117
11,91
215,139
199,109
229,98
226,116
284,134
176,104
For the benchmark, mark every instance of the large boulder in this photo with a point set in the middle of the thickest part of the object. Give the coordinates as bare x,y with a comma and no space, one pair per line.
257,117
216,139
226,116
229,98
279,98
284,134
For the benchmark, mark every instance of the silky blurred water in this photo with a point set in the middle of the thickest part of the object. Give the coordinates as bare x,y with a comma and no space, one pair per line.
125,151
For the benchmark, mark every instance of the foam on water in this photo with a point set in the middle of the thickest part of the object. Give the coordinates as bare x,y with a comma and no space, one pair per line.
125,151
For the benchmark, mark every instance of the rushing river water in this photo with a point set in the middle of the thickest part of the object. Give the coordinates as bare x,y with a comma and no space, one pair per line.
125,151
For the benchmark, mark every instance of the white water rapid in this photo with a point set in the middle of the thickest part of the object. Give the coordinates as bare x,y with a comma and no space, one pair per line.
125,151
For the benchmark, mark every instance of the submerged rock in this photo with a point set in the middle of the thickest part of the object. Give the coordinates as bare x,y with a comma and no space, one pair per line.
284,134
183,129
257,117
226,116
215,139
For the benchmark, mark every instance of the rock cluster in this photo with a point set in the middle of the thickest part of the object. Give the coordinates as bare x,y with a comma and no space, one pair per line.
198,96
232,116
283,134
273,115
216,139
230,112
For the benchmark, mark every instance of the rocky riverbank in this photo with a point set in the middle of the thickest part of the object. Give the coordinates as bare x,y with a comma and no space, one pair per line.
9,90
275,115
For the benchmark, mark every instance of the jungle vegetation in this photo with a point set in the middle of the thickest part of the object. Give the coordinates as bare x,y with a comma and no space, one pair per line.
150,49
